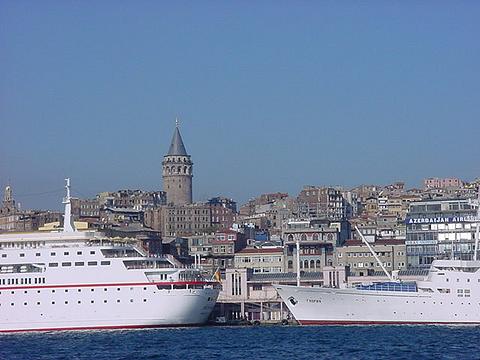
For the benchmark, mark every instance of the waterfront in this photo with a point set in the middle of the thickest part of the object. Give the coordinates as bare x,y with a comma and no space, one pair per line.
263,342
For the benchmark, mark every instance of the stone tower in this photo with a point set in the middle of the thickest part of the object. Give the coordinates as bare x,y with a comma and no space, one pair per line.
177,172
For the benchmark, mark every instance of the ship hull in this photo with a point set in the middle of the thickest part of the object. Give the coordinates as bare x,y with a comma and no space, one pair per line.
329,306
115,306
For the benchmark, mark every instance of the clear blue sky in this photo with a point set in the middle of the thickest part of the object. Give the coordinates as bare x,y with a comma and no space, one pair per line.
272,95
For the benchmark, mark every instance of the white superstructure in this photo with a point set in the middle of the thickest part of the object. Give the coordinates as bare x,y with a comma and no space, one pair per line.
450,294
82,280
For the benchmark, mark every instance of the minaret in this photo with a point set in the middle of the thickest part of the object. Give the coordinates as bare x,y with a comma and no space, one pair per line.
177,172
8,201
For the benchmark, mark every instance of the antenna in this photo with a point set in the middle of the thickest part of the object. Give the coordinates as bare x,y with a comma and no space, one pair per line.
374,254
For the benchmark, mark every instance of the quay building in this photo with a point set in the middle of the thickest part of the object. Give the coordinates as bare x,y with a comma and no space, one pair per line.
437,229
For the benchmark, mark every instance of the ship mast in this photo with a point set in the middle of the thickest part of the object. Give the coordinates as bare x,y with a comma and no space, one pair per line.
374,254
477,232
68,226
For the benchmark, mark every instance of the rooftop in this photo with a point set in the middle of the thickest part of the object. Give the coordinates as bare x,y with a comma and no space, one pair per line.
176,146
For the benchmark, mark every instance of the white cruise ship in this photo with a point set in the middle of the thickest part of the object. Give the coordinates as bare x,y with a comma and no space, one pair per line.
74,280
450,294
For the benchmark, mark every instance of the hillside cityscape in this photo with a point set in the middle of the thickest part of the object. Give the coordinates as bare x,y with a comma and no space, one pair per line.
253,245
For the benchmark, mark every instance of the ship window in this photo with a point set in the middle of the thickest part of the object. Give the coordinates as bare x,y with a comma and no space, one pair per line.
92,252
52,254
37,254
144,300
118,300
66,264
105,301
92,263
66,290
79,290
25,303
66,253
53,291
79,253
79,263
118,289
66,302
38,302
53,302
105,263
4,255
22,255
53,264
105,289
79,302
92,302
12,304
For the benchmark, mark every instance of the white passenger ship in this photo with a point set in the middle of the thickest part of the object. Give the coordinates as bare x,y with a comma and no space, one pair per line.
449,294
74,280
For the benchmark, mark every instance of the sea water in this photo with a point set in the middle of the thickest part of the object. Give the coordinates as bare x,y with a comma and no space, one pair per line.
252,342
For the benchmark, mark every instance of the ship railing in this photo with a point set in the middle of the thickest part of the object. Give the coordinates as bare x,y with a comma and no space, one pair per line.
400,287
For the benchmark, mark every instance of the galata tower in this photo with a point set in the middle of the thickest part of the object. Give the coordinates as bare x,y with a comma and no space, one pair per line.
177,172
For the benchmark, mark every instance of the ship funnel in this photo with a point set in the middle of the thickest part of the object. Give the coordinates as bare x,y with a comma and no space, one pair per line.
68,225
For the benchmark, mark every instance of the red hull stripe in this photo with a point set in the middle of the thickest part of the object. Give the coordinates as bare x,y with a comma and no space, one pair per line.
359,322
109,284
113,327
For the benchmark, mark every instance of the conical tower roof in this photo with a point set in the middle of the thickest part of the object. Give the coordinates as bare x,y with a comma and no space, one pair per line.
177,147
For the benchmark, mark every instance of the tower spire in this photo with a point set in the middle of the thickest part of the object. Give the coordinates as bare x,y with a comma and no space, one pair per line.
176,146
